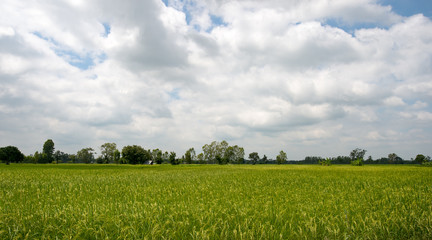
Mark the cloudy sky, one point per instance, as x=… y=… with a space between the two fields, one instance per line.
x=310 y=77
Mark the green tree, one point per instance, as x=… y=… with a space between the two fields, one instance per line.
x=85 y=155
x=190 y=156
x=56 y=156
x=157 y=156
x=222 y=153
x=233 y=154
x=264 y=159
x=357 y=154
x=117 y=156
x=60 y=156
x=254 y=157
x=229 y=155
x=239 y=154
x=72 y=158
x=165 y=156
x=135 y=154
x=210 y=152
x=37 y=157
x=29 y=159
x=11 y=154
x=48 y=150
x=281 y=158
x=420 y=158
x=100 y=160
x=325 y=162
x=172 y=158
x=108 y=152
x=220 y=160
x=200 y=158
x=393 y=158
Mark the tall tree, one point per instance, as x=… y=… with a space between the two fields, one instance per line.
x=165 y=156
x=108 y=152
x=37 y=157
x=157 y=156
x=48 y=150
x=190 y=156
x=229 y=155
x=264 y=159
x=172 y=158
x=210 y=152
x=200 y=158
x=254 y=157
x=117 y=156
x=357 y=154
x=85 y=155
x=61 y=156
x=220 y=160
x=135 y=154
x=281 y=158
x=420 y=158
x=394 y=158
x=222 y=153
x=369 y=160
x=239 y=154
x=73 y=158
x=11 y=154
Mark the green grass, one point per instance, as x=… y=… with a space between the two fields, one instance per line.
x=215 y=202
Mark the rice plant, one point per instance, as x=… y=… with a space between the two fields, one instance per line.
x=215 y=202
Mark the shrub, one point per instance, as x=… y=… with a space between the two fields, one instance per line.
x=358 y=162
x=326 y=162
x=427 y=164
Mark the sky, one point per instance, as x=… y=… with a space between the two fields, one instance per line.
x=311 y=78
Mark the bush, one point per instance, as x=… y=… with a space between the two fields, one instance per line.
x=427 y=164
x=358 y=162
x=326 y=162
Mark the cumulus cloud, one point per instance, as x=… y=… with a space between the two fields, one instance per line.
x=303 y=76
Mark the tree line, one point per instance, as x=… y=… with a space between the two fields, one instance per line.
x=357 y=155
x=213 y=153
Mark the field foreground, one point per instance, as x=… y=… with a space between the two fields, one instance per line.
x=215 y=202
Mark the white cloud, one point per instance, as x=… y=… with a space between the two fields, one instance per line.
x=394 y=101
x=6 y=31
x=419 y=105
x=346 y=12
x=275 y=75
x=374 y=135
x=422 y=116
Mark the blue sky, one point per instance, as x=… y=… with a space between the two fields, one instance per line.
x=312 y=78
x=410 y=7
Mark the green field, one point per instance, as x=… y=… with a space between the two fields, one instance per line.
x=215 y=202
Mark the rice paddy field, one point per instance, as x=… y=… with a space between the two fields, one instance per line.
x=215 y=202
